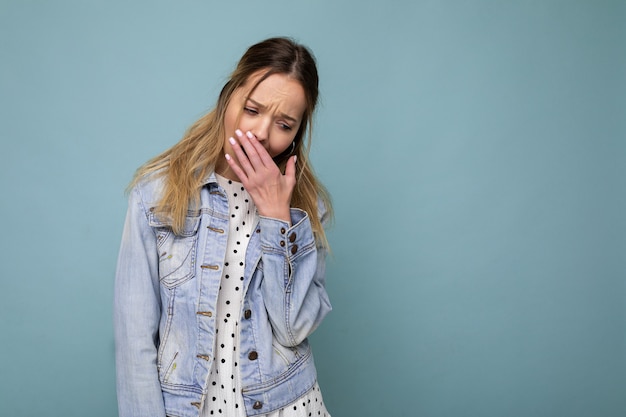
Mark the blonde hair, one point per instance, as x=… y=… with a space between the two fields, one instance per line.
x=186 y=164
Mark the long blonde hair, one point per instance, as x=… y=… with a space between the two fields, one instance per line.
x=186 y=164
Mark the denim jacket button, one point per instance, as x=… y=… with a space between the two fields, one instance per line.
x=282 y=243
x=257 y=405
x=247 y=314
x=282 y=230
x=294 y=249
x=253 y=355
x=292 y=237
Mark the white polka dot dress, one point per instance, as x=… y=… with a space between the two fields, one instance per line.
x=224 y=387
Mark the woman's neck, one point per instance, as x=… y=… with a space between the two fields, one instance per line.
x=222 y=168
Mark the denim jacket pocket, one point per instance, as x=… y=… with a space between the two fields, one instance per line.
x=177 y=255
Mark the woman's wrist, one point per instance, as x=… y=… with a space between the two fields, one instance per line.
x=277 y=213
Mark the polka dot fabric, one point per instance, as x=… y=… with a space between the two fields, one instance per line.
x=224 y=390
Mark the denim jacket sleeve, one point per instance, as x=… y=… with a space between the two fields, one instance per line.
x=137 y=311
x=293 y=287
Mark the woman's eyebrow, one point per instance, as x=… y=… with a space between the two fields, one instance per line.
x=283 y=115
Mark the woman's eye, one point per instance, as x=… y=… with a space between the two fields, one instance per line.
x=285 y=126
x=250 y=110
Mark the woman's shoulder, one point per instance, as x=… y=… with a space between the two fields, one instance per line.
x=324 y=210
x=148 y=189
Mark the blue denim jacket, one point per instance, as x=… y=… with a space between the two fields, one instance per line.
x=165 y=299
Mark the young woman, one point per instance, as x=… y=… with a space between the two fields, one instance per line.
x=220 y=278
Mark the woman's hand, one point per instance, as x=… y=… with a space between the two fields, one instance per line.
x=269 y=188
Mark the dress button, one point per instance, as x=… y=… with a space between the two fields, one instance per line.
x=247 y=314
x=253 y=355
x=292 y=237
x=294 y=249
x=282 y=230
x=257 y=405
x=258 y=230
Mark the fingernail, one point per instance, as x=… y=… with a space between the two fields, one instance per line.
x=227 y=157
x=232 y=141
x=238 y=132
x=295 y=159
x=250 y=135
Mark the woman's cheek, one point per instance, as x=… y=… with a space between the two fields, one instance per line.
x=282 y=148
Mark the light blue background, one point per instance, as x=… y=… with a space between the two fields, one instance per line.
x=475 y=151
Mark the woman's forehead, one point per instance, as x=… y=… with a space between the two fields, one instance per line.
x=275 y=90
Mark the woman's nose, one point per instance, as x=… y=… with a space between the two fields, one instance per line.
x=261 y=129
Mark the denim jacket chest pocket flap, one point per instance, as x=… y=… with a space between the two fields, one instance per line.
x=177 y=252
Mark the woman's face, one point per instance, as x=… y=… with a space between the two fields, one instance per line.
x=272 y=112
